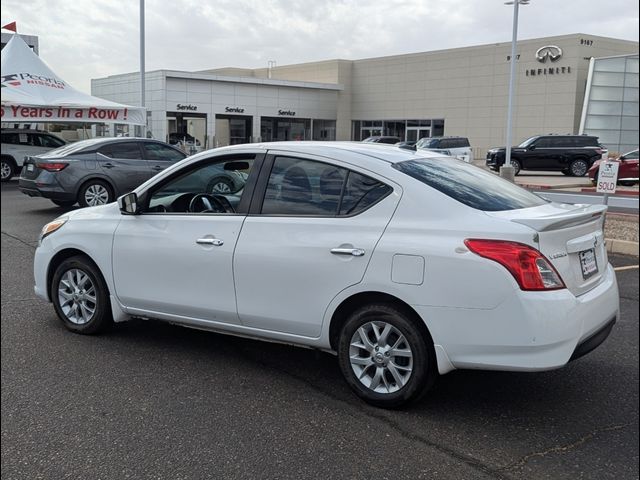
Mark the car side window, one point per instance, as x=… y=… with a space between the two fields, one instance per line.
x=49 y=142
x=157 y=151
x=306 y=187
x=361 y=192
x=209 y=187
x=303 y=187
x=129 y=150
x=544 y=142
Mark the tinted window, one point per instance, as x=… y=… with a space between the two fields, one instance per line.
x=586 y=141
x=49 y=141
x=10 y=138
x=157 y=151
x=303 y=187
x=446 y=143
x=469 y=185
x=129 y=150
x=361 y=192
x=544 y=142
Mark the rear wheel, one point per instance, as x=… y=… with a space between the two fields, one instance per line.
x=627 y=183
x=80 y=296
x=384 y=356
x=7 y=169
x=95 y=192
x=578 y=168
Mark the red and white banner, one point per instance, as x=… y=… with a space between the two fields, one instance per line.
x=32 y=92
x=32 y=113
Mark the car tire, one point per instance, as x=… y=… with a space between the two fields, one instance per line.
x=627 y=183
x=7 y=169
x=367 y=343
x=517 y=166
x=64 y=203
x=221 y=185
x=579 y=168
x=95 y=192
x=80 y=296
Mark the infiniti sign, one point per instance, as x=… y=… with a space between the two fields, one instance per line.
x=551 y=52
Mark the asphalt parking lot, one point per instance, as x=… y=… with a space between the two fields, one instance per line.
x=151 y=400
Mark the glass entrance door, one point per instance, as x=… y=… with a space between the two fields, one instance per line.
x=416 y=133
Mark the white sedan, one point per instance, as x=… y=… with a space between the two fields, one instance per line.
x=407 y=264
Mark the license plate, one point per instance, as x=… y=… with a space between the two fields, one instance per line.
x=30 y=167
x=588 y=263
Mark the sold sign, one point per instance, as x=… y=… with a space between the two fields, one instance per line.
x=607 y=177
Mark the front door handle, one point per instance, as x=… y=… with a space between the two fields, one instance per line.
x=216 y=242
x=108 y=165
x=356 y=252
x=157 y=168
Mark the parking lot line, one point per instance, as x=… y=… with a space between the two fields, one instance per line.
x=627 y=267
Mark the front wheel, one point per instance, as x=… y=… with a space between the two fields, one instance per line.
x=7 y=169
x=80 y=296
x=517 y=166
x=384 y=356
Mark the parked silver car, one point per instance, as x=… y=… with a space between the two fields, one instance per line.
x=18 y=143
x=96 y=171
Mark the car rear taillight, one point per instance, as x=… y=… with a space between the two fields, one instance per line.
x=528 y=266
x=52 y=167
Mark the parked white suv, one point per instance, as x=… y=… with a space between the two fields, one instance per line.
x=458 y=147
x=18 y=143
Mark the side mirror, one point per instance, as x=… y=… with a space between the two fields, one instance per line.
x=128 y=204
x=532 y=147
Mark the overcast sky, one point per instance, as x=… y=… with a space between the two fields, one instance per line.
x=84 y=39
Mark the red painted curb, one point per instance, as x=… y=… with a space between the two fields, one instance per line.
x=619 y=192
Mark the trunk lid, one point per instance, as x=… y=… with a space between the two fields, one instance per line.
x=571 y=237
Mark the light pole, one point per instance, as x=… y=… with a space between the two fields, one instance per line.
x=507 y=170
x=143 y=129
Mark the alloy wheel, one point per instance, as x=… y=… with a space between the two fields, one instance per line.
x=381 y=357
x=77 y=296
x=5 y=171
x=96 y=195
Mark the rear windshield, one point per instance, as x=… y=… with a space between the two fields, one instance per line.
x=470 y=185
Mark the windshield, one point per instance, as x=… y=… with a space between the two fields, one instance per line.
x=469 y=184
x=527 y=142
x=427 y=143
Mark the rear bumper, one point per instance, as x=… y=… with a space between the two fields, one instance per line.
x=53 y=192
x=531 y=331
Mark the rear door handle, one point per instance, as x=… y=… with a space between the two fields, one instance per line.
x=108 y=165
x=216 y=242
x=356 y=252
x=157 y=168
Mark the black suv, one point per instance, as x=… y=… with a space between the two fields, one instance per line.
x=571 y=154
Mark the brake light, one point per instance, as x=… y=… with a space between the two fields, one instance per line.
x=52 y=167
x=528 y=266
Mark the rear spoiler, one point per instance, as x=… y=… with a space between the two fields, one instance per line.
x=563 y=220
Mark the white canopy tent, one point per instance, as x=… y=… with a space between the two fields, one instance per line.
x=32 y=92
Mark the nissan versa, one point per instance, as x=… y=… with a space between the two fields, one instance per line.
x=406 y=264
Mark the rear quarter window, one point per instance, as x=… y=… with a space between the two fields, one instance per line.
x=469 y=185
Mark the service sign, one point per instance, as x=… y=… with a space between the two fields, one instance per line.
x=607 y=177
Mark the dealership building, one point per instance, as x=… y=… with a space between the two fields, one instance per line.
x=565 y=84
